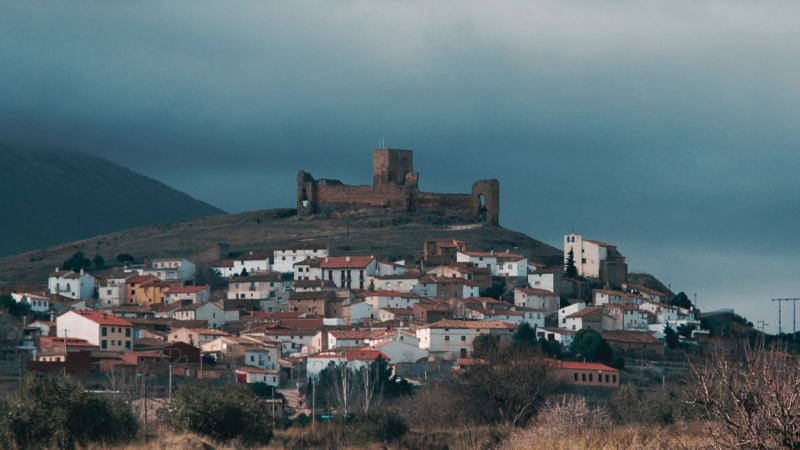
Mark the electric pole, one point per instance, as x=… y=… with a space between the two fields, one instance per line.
x=763 y=325
x=794 y=313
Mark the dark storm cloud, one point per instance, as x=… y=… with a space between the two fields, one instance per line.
x=665 y=127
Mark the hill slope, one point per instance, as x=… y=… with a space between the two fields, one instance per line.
x=50 y=197
x=389 y=235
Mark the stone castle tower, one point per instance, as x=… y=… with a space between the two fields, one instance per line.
x=395 y=188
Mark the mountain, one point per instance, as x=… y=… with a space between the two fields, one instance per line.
x=48 y=197
x=397 y=235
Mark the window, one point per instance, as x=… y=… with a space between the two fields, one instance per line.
x=463 y=338
x=447 y=338
x=590 y=377
x=128 y=345
x=583 y=377
x=613 y=378
x=575 y=376
x=103 y=344
x=104 y=331
x=606 y=378
x=127 y=332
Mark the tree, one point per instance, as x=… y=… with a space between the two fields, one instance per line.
x=685 y=330
x=59 y=413
x=16 y=309
x=750 y=392
x=496 y=290
x=244 y=272
x=232 y=413
x=524 y=336
x=510 y=385
x=670 y=336
x=98 y=261
x=681 y=301
x=570 y=265
x=77 y=262
x=483 y=346
x=125 y=258
x=590 y=345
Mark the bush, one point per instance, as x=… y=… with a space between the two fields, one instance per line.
x=61 y=414
x=384 y=426
x=660 y=407
x=233 y=413
x=125 y=258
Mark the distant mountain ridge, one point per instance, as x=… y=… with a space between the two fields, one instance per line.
x=50 y=197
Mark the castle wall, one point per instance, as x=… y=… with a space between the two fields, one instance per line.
x=392 y=166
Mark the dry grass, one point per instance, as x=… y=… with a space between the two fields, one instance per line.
x=681 y=436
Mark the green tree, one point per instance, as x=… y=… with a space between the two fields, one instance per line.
x=570 y=265
x=524 y=336
x=17 y=310
x=670 y=336
x=496 y=290
x=244 y=272
x=98 y=261
x=59 y=413
x=685 y=330
x=77 y=262
x=125 y=258
x=549 y=348
x=590 y=345
x=232 y=413
x=681 y=300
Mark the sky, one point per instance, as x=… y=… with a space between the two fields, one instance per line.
x=668 y=128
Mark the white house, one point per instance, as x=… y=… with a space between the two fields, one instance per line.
x=627 y=317
x=285 y=258
x=560 y=335
x=664 y=313
x=446 y=287
x=547 y=278
x=251 y=374
x=450 y=339
x=354 y=312
x=651 y=294
x=537 y=299
x=347 y=338
x=260 y=286
x=111 y=290
x=195 y=294
x=67 y=283
x=96 y=327
x=511 y=265
x=348 y=271
x=590 y=318
x=566 y=311
x=248 y=262
x=384 y=268
x=534 y=317
x=390 y=299
x=399 y=283
x=169 y=269
x=209 y=311
x=38 y=303
x=479 y=259
x=401 y=351
x=353 y=359
x=602 y=296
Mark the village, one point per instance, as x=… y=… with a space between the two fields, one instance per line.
x=282 y=317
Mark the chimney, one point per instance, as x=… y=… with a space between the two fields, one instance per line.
x=146 y=263
x=347 y=258
x=81 y=271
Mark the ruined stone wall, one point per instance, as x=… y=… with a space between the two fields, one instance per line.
x=392 y=166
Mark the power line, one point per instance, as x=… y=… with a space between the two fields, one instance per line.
x=794 y=313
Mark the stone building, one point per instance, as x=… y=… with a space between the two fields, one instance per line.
x=396 y=188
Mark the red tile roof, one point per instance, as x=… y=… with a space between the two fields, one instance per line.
x=346 y=262
x=102 y=318
x=141 y=279
x=187 y=289
x=539 y=292
x=573 y=365
x=253 y=369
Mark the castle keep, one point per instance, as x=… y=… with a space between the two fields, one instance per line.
x=395 y=188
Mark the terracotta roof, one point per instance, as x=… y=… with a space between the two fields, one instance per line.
x=141 y=279
x=609 y=292
x=253 y=369
x=352 y=355
x=476 y=324
x=495 y=312
x=455 y=280
x=345 y=262
x=224 y=263
x=539 y=292
x=573 y=365
x=391 y=294
x=301 y=284
x=409 y=275
x=430 y=306
x=634 y=337
x=101 y=318
x=585 y=312
x=195 y=306
x=65 y=274
x=350 y=334
x=187 y=289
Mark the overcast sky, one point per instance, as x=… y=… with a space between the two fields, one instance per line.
x=667 y=128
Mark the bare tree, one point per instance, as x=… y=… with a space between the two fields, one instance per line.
x=511 y=384
x=752 y=394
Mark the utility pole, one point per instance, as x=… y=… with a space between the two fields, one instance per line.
x=313 y=406
x=763 y=325
x=794 y=313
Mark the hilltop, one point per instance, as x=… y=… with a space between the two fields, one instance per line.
x=384 y=235
x=49 y=197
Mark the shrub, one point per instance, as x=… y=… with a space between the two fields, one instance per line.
x=384 y=426
x=61 y=414
x=233 y=413
x=125 y=258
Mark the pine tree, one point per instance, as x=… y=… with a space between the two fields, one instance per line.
x=671 y=336
x=570 y=266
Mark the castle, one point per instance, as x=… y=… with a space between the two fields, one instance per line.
x=396 y=188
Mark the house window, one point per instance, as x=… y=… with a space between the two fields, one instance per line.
x=128 y=345
x=127 y=332
x=583 y=377
x=104 y=331
x=103 y=344
x=613 y=378
x=463 y=338
x=590 y=377
x=606 y=378
x=575 y=376
x=447 y=338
